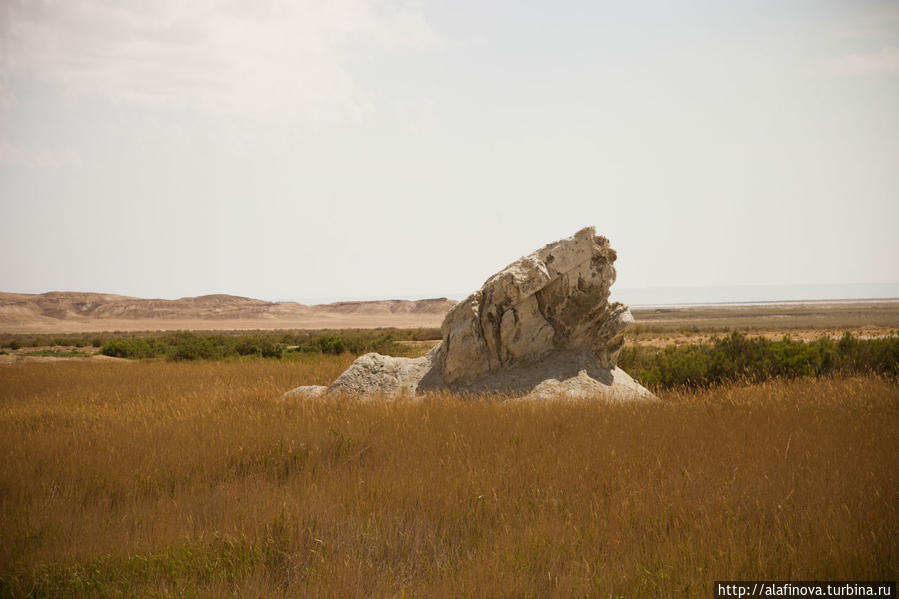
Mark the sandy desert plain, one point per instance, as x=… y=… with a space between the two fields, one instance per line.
x=164 y=477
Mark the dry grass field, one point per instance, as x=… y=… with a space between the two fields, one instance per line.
x=193 y=479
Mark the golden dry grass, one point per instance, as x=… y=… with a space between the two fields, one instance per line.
x=193 y=479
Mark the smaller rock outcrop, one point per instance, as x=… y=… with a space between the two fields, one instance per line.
x=542 y=326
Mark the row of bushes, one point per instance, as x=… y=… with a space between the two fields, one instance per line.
x=286 y=338
x=18 y=342
x=738 y=357
x=734 y=357
x=193 y=346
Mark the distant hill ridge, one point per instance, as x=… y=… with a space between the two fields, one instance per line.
x=45 y=308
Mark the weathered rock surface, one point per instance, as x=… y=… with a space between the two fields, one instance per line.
x=388 y=375
x=542 y=326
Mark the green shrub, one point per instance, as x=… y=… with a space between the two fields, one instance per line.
x=272 y=350
x=248 y=347
x=133 y=348
x=330 y=344
x=738 y=357
x=189 y=346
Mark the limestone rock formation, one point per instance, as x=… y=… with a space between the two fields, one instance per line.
x=542 y=326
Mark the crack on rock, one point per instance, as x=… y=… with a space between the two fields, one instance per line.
x=548 y=310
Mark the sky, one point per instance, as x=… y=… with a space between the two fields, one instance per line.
x=359 y=149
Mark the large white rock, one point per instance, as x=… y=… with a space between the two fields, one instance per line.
x=388 y=375
x=553 y=299
x=542 y=326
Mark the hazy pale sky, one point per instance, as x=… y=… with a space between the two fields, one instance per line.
x=365 y=149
